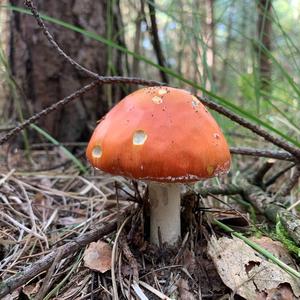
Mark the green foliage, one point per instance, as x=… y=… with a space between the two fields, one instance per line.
x=283 y=236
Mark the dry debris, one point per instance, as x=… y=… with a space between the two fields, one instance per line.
x=247 y=273
x=97 y=256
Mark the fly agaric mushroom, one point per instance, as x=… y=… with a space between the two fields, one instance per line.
x=165 y=136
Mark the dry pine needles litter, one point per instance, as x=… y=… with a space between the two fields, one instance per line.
x=48 y=218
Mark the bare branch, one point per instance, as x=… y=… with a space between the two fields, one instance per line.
x=282 y=155
x=72 y=247
x=47 y=110
x=224 y=190
x=258 y=177
x=286 y=189
x=253 y=127
x=273 y=178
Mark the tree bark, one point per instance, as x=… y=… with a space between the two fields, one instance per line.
x=44 y=77
x=264 y=30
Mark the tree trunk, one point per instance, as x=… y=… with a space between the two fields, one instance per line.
x=264 y=29
x=44 y=77
x=207 y=53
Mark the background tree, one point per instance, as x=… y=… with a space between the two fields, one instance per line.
x=264 y=31
x=43 y=78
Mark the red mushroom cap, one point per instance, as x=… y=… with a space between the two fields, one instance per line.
x=161 y=134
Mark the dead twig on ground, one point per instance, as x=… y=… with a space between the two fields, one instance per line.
x=267 y=205
x=258 y=177
x=286 y=189
x=273 y=178
x=276 y=154
x=72 y=247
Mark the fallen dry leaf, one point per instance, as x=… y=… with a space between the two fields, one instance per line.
x=276 y=248
x=189 y=260
x=98 y=256
x=184 y=290
x=245 y=272
x=283 y=292
x=31 y=289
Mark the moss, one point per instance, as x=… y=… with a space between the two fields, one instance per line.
x=283 y=236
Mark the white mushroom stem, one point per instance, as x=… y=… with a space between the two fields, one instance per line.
x=164 y=212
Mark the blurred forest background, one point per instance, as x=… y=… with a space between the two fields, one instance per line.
x=243 y=55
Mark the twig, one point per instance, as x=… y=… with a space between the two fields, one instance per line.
x=283 y=155
x=258 y=178
x=42 y=264
x=102 y=79
x=131 y=259
x=47 y=280
x=272 y=208
x=265 y=204
x=229 y=189
x=286 y=189
x=47 y=110
x=273 y=179
x=253 y=127
x=113 y=260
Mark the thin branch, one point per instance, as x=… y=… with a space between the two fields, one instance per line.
x=226 y=190
x=253 y=127
x=282 y=155
x=103 y=79
x=273 y=178
x=258 y=178
x=47 y=280
x=264 y=203
x=47 y=110
x=286 y=189
x=72 y=247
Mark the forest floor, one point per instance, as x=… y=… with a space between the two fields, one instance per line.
x=65 y=235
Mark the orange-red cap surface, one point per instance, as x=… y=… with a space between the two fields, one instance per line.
x=161 y=134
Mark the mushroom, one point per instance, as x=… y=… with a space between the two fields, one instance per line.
x=164 y=136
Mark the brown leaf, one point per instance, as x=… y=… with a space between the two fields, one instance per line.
x=98 y=256
x=276 y=248
x=189 y=260
x=184 y=290
x=245 y=271
x=31 y=289
x=283 y=292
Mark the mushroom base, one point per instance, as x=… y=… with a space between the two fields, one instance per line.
x=164 y=212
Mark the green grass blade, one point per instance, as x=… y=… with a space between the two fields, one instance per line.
x=76 y=161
